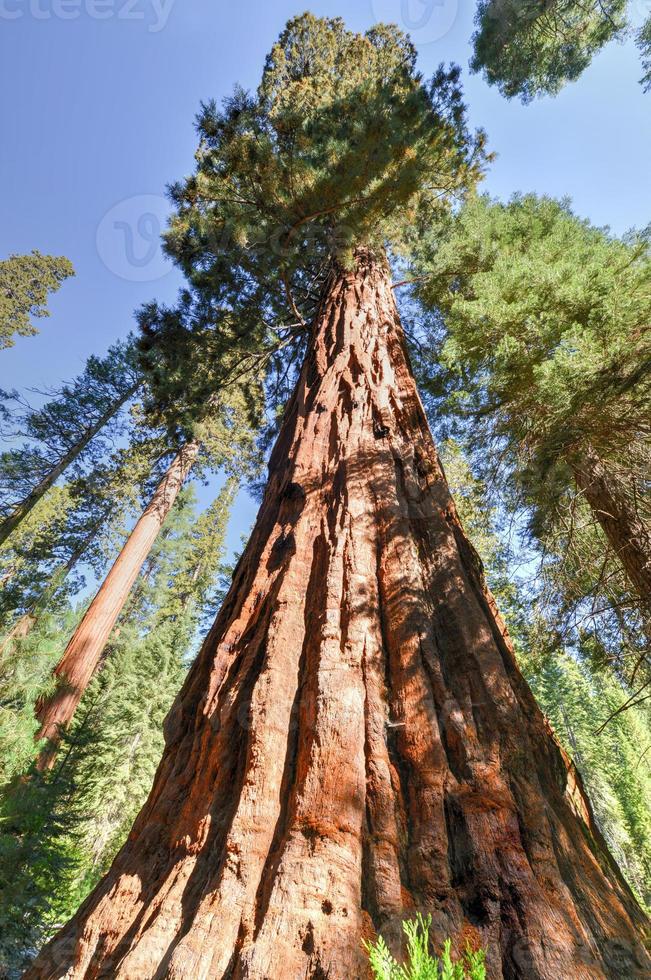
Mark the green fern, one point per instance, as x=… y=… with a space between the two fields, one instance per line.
x=421 y=965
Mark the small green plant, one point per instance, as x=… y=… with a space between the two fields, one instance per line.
x=421 y=965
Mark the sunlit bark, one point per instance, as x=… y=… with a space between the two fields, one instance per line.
x=82 y=654
x=355 y=741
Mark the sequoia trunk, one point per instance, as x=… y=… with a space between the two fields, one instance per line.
x=82 y=655
x=21 y=510
x=625 y=530
x=355 y=742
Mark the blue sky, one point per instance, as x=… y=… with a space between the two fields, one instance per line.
x=96 y=117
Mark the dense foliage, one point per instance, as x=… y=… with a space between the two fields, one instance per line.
x=537 y=351
x=528 y=48
x=316 y=164
x=60 y=830
x=25 y=281
x=530 y=334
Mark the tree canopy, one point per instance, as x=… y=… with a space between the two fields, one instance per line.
x=540 y=354
x=528 y=48
x=25 y=282
x=529 y=330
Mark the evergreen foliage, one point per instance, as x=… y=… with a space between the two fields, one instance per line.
x=421 y=965
x=528 y=48
x=614 y=763
x=59 y=831
x=25 y=281
x=68 y=434
x=84 y=521
x=317 y=163
x=644 y=43
x=537 y=350
x=321 y=160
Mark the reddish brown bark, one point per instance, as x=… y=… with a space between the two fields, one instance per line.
x=620 y=520
x=82 y=654
x=355 y=741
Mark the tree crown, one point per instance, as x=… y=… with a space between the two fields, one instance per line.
x=25 y=281
x=528 y=48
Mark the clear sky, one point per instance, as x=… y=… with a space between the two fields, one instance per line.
x=96 y=117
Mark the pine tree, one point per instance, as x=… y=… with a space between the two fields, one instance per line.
x=25 y=281
x=82 y=520
x=644 y=44
x=61 y=829
x=28 y=556
x=63 y=432
x=541 y=352
x=354 y=738
x=529 y=49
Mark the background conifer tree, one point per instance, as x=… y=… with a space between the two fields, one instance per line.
x=528 y=48
x=63 y=433
x=60 y=830
x=355 y=735
x=539 y=353
x=25 y=281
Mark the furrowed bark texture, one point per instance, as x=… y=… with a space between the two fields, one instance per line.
x=82 y=654
x=25 y=507
x=355 y=742
x=625 y=529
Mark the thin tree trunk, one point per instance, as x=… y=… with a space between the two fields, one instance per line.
x=21 y=628
x=26 y=623
x=355 y=741
x=82 y=655
x=20 y=512
x=625 y=530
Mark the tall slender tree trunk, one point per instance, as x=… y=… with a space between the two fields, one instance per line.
x=82 y=655
x=355 y=741
x=625 y=530
x=26 y=623
x=20 y=512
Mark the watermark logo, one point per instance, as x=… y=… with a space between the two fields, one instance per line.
x=153 y=13
x=424 y=20
x=129 y=238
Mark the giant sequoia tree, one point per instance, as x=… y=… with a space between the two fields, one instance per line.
x=355 y=741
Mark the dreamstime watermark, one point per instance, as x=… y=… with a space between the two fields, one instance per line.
x=155 y=13
x=129 y=238
x=424 y=20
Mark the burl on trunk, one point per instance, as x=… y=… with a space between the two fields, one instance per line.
x=355 y=741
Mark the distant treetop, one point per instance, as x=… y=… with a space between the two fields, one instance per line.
x=25 y=281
